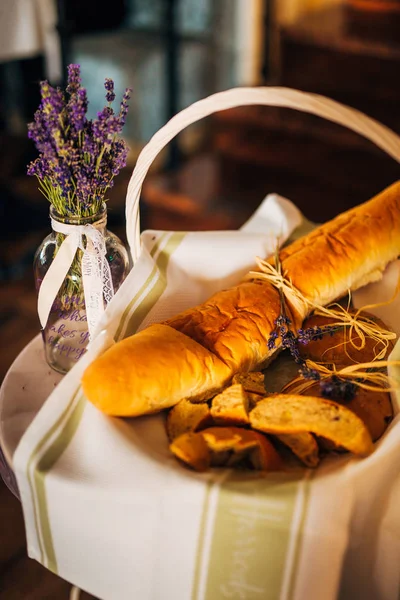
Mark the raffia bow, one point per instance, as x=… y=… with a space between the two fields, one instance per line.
x=368 y=375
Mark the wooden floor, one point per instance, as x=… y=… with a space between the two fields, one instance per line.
x=20 y=577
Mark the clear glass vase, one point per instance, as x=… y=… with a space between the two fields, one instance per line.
x=66 y=334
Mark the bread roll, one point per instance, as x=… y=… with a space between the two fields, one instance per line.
x=138 y=375
x=196 y=353
x=337 y=348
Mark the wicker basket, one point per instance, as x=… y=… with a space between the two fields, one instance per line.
x=329 y=109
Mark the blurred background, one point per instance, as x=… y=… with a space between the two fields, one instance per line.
x=213 y=176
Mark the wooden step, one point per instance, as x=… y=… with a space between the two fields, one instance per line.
x=321 y=54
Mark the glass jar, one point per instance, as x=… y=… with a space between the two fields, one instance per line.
x=66 y=334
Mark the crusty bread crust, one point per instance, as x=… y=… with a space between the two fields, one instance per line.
x=196 y=353
x=234 y=324
x=349 y=251
x=153 y=370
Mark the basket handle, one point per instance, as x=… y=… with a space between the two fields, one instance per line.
x=329 y=109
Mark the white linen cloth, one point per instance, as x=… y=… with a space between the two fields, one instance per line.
x=109 y=509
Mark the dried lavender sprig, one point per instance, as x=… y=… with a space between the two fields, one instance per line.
x=76 y=109
x=311 y=334
x=74 y=78
x=109 y=85
x=339 y=389
x=272 y=339
x=333 y=387
x=309 y=373
x=123 y=111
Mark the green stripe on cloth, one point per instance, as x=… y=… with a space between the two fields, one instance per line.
x=251 y=536
x=148 y=281
x=155 y=293
x=46 y=462
x=67 y=424
x=200 y=544
x=37 y=510
x=126 y=312
x=299 y=533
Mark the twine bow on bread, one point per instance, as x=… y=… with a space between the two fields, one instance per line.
x=274 y=275
x=96 y=275
x=360 y=328
x=369 y=376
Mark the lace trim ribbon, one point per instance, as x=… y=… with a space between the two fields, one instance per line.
x=96 y=274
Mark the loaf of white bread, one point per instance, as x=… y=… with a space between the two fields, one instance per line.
x=196 y=353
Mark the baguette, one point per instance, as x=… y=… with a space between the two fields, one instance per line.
x=195 y=354
x=137 y=376
x=348 y=252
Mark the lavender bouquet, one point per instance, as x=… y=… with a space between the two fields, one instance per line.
x=79 y=158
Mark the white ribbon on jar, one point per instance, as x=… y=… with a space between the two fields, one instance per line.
x=96 y=274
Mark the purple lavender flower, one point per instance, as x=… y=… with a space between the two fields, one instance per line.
x=38 y=132
x=52 y=105
x=338 y=389
x=311 y=334
x=334 y=387
x=89 y=145
x=289 y=341
x=123 y=111
x=282 y=321
x=119 y=154
x=106 y=126
x=62 y=177
x=304 y=336
x=74 y=79
x=77 y=108
x=308 y=373
x=109 y=85
x=272 y=339
x=78 y=158
x=46 y=122
x=39 y=167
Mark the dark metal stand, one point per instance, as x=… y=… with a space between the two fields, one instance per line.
x=268 y=34
x=64 y=32
x=172 y=75
x=171 y=39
